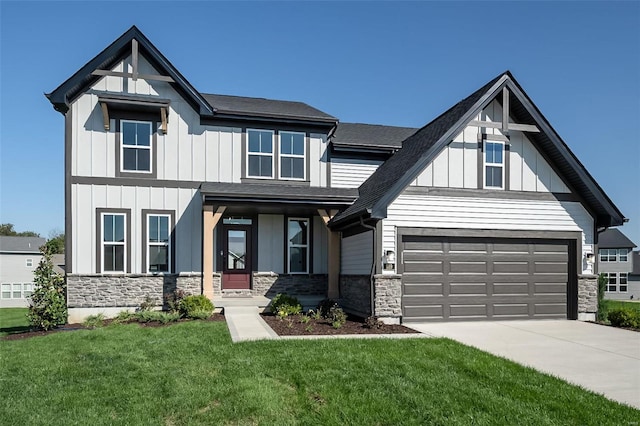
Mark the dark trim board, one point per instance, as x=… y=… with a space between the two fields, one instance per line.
x=491 y=193
x=134 y=181
x=68 y=181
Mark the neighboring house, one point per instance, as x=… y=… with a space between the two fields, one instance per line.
x=616 y=261
x=19 y=257
x=634 y=276
x=484 y=213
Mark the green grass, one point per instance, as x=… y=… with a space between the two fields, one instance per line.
x=191 y=373
x=13 y=320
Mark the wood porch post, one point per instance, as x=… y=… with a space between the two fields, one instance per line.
x=209 y=221
x=333 y=291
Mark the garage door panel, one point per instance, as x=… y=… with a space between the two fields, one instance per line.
x=483 y=278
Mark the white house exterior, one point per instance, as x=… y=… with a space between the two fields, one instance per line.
x=619 y=264
x=483 y=213
x=19 y=258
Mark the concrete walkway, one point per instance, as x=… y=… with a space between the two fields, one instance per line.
x=603 y=359
x=245 y=323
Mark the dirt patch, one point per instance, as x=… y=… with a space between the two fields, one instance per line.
x=297 y=326
x=73 y=327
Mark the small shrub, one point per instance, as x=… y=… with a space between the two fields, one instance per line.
x=337 y=317
x=47 y=304
x=373 y=323
x=147 y=305
x=315 y=314
x=325 y=307
x=308 y=328
x=284 y=310
x=283 y=299
x=123 y=317
x=94 y=321
x=623 y=317
x=173 y=300
x=196 y=307
x=304 y=319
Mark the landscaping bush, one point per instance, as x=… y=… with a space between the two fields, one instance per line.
x=94 y=321
x=173 y=300
x=283 y=299
x=196 y=307
x=147 y=305
x=325 y=306
x=284 y=310
x=48 y=306
x=159 y=316
x=373 y=323
x=124 y=317
x=337 y=317
x=622 y=317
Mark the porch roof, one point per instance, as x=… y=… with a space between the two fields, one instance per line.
x=276 y=193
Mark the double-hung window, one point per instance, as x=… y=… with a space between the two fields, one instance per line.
x=292 y=162
x=158 y=243
x=623 y=255
x=612 y=281
x=298 y=245
x=494 y=165
x=135 y=155
x=623 y=278
x=29 y=263
x=260 y=154
x=114 y=242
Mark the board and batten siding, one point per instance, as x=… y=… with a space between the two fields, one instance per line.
x=351 y=172
x=457 y=165
x=356 y=254
x=85 y=199
x=424 y=211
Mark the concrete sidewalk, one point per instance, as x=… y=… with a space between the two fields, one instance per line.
x=245 y=323
x=603 y=359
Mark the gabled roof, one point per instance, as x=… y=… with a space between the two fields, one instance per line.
x=613 y=238
x=359 y=135
x=261 y=107
x=68 y=91
x=21 y=244
x=392 y=177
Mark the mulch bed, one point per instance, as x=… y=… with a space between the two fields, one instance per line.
x=73 y=327
x=293 y=326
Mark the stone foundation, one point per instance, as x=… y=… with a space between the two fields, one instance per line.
x=270 y=284
x=101 y=291
x=587 y=297
x=355 y=294
x=388 y=297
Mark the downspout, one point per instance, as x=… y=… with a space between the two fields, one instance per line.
x=373 y=266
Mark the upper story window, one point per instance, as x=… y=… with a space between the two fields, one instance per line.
x=113 y=242
x=613 y=255
x=29 y=263
x=260 y=154
x=292 y=155
x=494 y=165
x=136 y=146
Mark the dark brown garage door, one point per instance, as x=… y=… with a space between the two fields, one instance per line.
x=479 y=278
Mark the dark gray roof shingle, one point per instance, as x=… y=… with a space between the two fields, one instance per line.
x=613 y=238
x=261 y=107
x=21 y=244
x=278 y=191
x=371 y=135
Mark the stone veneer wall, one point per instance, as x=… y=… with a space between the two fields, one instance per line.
x=270 y=284
x=100 y=291
x=587 y=296
x=388 y=297
x=355 y=293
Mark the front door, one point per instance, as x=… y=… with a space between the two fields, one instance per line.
x=236 y=257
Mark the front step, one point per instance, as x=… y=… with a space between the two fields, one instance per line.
x=236 y=293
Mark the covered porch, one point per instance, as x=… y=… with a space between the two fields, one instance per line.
x=263 y=239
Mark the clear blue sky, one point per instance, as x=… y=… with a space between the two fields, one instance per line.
x=387 y=63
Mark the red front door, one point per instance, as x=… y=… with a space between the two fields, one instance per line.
x=236 y=257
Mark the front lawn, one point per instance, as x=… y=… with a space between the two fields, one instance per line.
x=13 y=320
x=621 y=304
x=191 y=373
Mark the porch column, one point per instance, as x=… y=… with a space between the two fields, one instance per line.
x=333 y=291
x=209 y=221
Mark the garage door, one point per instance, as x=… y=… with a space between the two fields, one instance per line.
x=449 y=278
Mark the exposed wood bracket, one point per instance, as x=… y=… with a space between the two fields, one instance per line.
x=163 y=115
x=486 y=136
x=532 y=128
x=130 y=75
x=327 y=215
x=505 y=110
x=105 y=115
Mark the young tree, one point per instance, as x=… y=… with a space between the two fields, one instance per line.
x=48 y=307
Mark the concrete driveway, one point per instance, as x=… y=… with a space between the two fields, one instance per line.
x=603 y=359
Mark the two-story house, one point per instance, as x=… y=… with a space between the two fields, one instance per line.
x=483 y=213
x=616 y=262
x=19 y=258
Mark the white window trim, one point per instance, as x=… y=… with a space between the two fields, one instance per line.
x=157 y=244
x=290 y=245
x=28 y=263
x=609 y=275
x=485 y=164
x=150 y=147
x=619 y=255
x=303 y=156
x=112 y=243
x=274 y=149
x=626 y=284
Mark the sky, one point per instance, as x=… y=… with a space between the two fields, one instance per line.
x=393 y=63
